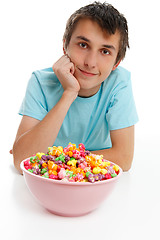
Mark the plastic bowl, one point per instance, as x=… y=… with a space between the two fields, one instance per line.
x=68 y=199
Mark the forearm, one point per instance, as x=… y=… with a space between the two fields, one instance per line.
x=44 y=133
x=116 y=156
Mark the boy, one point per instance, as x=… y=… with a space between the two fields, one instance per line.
x=85 y=97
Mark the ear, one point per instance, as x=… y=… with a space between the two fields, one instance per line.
x=116 y=65
x=64 y=49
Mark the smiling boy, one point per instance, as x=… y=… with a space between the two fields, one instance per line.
x=85 y=97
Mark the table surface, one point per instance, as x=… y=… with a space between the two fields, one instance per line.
x=132 y=210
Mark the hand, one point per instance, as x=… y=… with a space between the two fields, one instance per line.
x=64 y=70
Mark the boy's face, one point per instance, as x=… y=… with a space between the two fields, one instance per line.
x=93 y=52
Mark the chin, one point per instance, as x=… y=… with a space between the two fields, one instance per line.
x=84 y=84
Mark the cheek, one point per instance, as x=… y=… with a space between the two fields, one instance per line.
x=105 y=72
x=73 y=56
x=76 y=60
x=76 y=56
x=105 y=68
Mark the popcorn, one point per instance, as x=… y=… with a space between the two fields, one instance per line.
x=71 y=164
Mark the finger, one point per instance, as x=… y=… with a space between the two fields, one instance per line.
x=72 y=69
x=11 y=152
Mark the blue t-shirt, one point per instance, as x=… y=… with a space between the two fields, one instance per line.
x=88 y=120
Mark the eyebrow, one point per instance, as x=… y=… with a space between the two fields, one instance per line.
x=104 y=45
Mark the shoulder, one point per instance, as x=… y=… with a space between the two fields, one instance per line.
x=120 y=74
x=118 y=79
x=46 y=77
x=121 y=71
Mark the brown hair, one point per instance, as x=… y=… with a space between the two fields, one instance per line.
x=108 y=18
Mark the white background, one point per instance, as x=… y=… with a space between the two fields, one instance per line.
x=31 y=38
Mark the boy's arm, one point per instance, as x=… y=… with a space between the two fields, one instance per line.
x=34 y=135
x=122 y=149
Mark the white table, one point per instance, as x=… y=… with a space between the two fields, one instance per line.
x=132 y=211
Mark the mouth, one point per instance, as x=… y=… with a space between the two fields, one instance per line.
x=88 y=74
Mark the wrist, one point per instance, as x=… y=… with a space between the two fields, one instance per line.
x=72 y=95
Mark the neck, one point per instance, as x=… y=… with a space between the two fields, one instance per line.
x=86 y=93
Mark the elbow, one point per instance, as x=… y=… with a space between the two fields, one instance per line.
x=125 y=163
x=16 y=159
x=16 y=163
x=126 y=168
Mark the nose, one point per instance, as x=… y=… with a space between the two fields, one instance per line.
x=90 y=60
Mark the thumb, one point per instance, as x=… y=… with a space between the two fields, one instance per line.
x=72 y=69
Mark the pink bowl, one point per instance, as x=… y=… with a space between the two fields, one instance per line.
x=68 y=198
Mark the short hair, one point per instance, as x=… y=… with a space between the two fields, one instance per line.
x=108 y=18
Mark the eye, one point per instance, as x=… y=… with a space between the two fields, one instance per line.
x=105 y=52
x=83 y=45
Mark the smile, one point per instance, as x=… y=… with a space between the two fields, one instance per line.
x=88 y=74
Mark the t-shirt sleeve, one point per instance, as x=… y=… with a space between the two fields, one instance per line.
x=34 y=103
x=122 y=111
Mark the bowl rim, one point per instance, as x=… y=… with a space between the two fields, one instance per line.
x=70 y=183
